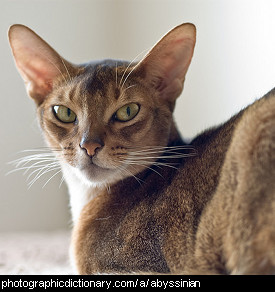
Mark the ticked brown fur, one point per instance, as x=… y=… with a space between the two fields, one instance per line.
x=213 y=213
x=183 y=226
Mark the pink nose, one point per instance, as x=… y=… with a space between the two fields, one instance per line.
x=90 y=147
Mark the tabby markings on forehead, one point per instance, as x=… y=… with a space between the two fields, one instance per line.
x=97 y=81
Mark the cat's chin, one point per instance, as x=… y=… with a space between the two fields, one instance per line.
x=94 y=175
x=97 y=174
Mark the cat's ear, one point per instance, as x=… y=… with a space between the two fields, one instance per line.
x=165 y=66
x=38 y=64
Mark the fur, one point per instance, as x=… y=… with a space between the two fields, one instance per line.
x=144 y=201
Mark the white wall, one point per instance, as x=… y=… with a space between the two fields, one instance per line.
x=234 y=63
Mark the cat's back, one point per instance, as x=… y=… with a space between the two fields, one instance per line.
x=181 y=204
x=198 y=178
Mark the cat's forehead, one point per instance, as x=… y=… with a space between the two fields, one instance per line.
x=97 y=78
x=98 y=86
x=102 y=80
x=98 y=75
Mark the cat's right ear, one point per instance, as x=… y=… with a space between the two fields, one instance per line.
x=38 y=63
x=166 y=65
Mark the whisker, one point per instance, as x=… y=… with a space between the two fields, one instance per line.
x=153 y=157
x=24 y=161
x=165 y=164
x=124 y=90
x=41 y=174
x=41 y=149
x=27 y=168
x=121 y=80
x=41 y=168
x=22 y=164
x=145 y=163
x=128 y=172
x=37 y=164
x=52 y=177
x=130 y=64
x=162 y=148
x=129 y=74
x=175 y=156
x=61 y=181
x=148 y=167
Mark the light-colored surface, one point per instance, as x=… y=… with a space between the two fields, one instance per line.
x=234 y=63
x=36 y=253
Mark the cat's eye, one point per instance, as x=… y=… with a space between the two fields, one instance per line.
x=64 y=114
x=127 y=112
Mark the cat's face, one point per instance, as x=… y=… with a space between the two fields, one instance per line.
x=104 y=120
x=98 y=124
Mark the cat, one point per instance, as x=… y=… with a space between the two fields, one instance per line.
x=142 y=200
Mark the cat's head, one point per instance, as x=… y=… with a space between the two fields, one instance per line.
x=102 y=118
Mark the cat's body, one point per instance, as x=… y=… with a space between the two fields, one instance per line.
x=154 y=224
x=142 y=200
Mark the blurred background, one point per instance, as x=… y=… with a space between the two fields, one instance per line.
x=233 y=64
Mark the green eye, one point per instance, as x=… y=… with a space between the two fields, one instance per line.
x=127 y=112
x=64 y=114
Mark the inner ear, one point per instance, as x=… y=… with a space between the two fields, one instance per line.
x=38 y=63
x=166 y=65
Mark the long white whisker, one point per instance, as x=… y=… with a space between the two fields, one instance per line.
x=27 y=168
x=128 y=172
x=140 y=157
x=121 y=80
x=22 y=163
x=148 y=167
x=145 y=163
x=32 y=157
x=162 y=148
x=42 y=167
x=37 y=164
x=40 y=149
x=42 y=173
x=165 y=164
x=52 y=177
x=61 y=181
x=124 y=90
x=129 y=75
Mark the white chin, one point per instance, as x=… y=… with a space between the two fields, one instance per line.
x=95 y=175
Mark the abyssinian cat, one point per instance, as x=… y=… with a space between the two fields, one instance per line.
x=142 y=200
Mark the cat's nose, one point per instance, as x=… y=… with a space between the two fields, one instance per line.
x=91 y=147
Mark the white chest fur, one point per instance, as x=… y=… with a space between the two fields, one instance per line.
x=80 y=191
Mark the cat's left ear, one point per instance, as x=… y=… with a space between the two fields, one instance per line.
x=165 y=66
x=38 y=63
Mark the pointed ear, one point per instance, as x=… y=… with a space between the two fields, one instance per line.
x=166 y=64
x=38 y=64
